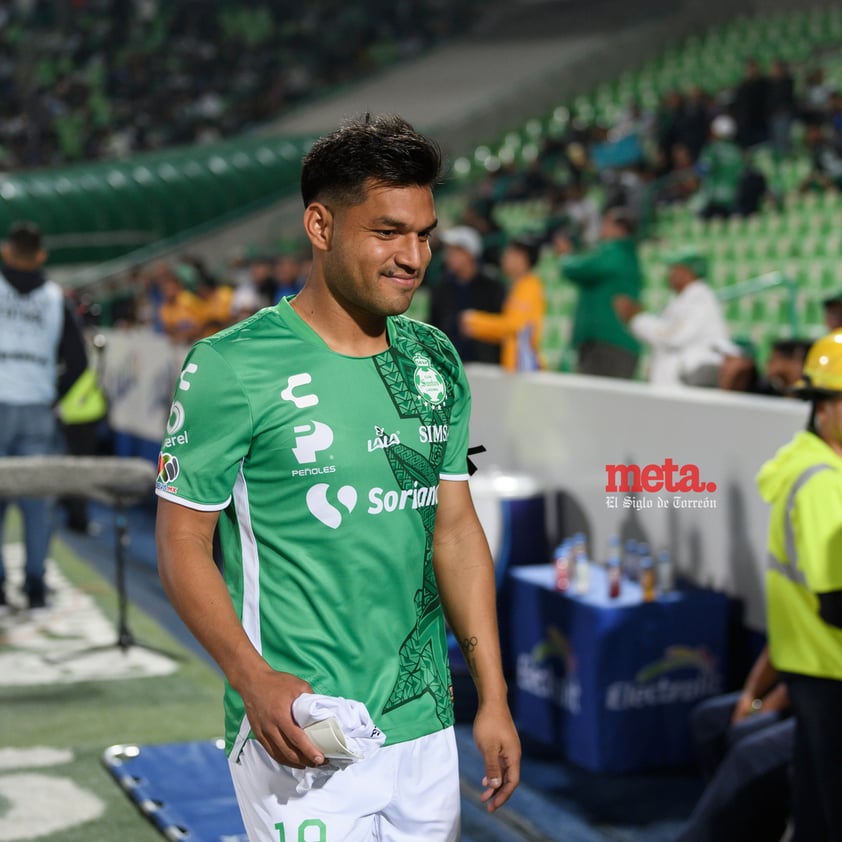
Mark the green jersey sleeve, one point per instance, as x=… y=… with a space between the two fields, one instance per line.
x=208 y=433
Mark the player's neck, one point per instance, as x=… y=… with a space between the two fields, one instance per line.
x=345 y=331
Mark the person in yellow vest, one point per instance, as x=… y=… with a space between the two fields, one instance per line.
x=80 y=412
x=803 y=484
x=519 y=326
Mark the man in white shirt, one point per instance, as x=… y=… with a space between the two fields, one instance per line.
x=689 y=339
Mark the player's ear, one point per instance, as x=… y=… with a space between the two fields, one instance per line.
x=318 y=224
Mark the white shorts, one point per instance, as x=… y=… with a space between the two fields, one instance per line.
x=403 y=792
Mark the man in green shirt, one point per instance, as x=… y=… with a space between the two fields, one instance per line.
x=604 y=344
x=327 y=437
x=721 y=165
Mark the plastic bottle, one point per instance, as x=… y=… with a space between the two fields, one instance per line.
x=631 y=562
x=614 y=549
x=666 y=574
x=582 y=570
x=614 y=577
x=647 y=578
x=561 y=562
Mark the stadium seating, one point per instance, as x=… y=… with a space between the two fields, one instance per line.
x=801 y=240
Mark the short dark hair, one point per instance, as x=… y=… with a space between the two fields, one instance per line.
x=25 y=239
x=792 y=348
x=623 y=217
x=530 y=246
x=366 y=151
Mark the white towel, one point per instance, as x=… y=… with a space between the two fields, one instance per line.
x=341 y=728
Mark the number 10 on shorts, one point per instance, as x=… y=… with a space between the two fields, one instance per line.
x=318 y=835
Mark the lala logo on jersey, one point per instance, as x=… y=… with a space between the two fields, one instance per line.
x=382 y=439
x=323 y=510
x=429 y=383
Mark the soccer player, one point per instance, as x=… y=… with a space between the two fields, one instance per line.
x=327 y=436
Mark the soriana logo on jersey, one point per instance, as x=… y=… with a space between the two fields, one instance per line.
x=429 y=383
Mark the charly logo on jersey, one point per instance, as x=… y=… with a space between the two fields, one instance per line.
x=429 y=383
x=174 y=426
x=382 y=439
x=296 y=382
x=322 y=509
x=183 y=382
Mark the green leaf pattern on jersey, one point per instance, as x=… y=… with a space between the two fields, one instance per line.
x=419 y=671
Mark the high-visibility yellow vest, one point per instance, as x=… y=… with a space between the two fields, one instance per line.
x=803 y=482
x=84 y=401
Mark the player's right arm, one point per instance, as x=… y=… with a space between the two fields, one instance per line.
x=196 y=589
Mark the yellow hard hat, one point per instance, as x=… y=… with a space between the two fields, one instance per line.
x=822 y=373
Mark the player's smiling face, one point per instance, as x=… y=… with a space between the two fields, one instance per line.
x=380 y=249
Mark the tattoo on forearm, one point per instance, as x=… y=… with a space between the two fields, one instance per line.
x=468 y=646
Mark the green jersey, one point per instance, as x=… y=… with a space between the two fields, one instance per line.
x=325 y=469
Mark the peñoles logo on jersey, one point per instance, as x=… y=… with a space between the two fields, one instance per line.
x=429 y=383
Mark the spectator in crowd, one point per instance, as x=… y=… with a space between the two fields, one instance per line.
x=519 y=326
x=182 y=313
x=817 y=92
x=581 y=213
x=683 y=182
x=604 y=345
x=287 y=274
x=752 y=188
x=217 y=299
x=832 y=306
x=693 y=123
x=721 y=166
x=782 y=106
x=745 y=745
x=42 y=354
x=367 y=636
x=690 y=337
x=802 y=483
x=750 y=106
x=465 y=285
x=825 y=159
x=783 y=370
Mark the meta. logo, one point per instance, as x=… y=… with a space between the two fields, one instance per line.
x=656 y=478
x=296 y=381
x=310 y=439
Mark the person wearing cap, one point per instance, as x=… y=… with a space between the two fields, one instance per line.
x=802 y=483
x=689 y=339
x=721 y=165
x=465 y=286
x=182 y=312
x=519 y=326
x=604 y=345
x=42 y=354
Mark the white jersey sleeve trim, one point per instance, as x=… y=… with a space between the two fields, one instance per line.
x=454 y=477
x=190 y=504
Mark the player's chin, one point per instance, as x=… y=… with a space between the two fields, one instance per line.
x=397 y=303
